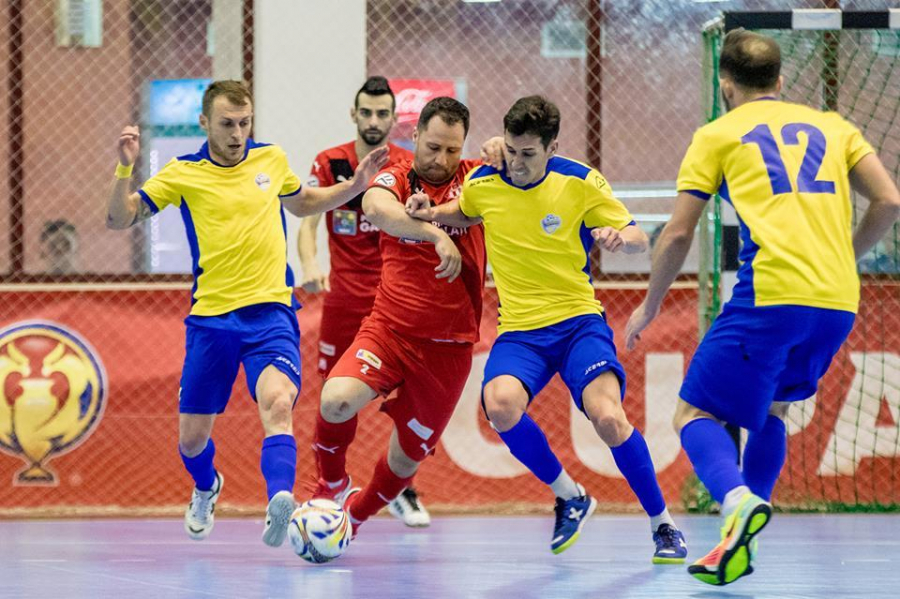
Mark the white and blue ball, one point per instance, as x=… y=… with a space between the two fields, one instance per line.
x=319 y=531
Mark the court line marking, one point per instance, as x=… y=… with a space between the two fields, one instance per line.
x=142 y=582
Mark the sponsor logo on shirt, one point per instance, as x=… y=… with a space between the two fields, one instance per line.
x=263 y=181
x=369 y=358
x=550 y=223
x=386 y=179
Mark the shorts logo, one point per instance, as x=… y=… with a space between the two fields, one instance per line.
x=368 y=357
x=422 y=431
x=550 y=223
x=594 y=367
x=289 y=364
x=386 y=179
x=263 y=181
x=52 y=396
x=327 y=349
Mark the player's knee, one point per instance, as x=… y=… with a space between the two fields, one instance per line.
x=401 y=464
x=192 y=443
x=612 y=428
x=504 y=402
x=276 y=406
x=334 y=404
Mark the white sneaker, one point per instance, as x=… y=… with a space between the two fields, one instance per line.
x=278 y=517
x=200 y=514
x=407 y=508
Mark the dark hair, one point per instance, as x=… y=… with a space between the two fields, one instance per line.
x=751 y=60
x=450 y=110
x=54 y=226
x=376 y=86
x=237 y=93
x=534 y=115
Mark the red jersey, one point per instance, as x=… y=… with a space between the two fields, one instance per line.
x=410 y=300
x=352 y=240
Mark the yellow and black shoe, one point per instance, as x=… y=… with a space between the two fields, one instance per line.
x=731 y=558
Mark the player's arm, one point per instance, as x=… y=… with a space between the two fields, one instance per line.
x=668 y=258
x=314 y=200
x=631 y=239
x=313 y=280
x=385 y=212
x=124 y=208
x=870 y=179
x=450 y=214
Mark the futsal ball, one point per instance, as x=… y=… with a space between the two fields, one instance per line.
x=319 y=531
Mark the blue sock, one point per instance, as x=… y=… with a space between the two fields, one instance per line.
x=714 y=456
x=764 y=457
x=200 y=467
x=528 y=443
x=634 y=461
x=278 y=463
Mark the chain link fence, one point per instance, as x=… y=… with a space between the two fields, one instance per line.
x=626 y=75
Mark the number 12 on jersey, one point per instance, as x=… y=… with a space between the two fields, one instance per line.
x=762 y=136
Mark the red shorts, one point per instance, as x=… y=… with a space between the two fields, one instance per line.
x=429 y=377
x=336 y=332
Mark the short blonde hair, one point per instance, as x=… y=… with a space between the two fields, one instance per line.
x=236 y=92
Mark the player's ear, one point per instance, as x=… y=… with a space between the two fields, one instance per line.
x=553 y=147
x=204 y=122
x=779 y=83
x=415 y=135
x=353 y=114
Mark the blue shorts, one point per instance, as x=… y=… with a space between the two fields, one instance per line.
x=579 y=349
x=255 y=336
x=753 y=356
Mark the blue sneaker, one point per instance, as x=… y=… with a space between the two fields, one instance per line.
x=571 y=514
x=670 y=545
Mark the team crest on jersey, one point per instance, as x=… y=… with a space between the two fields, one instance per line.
x=386 y=179
x=550 y=223
x=368 y=357
x=263 y=181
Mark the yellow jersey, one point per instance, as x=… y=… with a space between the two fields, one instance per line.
x=538 y=239
x=235 y=225
x=784 y=167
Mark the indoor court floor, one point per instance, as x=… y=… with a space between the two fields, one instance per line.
x=832 y=556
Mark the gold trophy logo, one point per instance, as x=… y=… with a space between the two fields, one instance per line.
x=52 y=396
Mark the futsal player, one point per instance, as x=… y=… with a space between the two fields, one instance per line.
x=788 y=170
x=353 y=245
x=541 y=217
x=232 y=194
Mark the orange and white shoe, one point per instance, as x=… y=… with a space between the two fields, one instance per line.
x=731 y=558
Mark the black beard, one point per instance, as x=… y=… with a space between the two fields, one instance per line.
x=373 y=138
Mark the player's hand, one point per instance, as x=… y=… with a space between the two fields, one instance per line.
x=609 y=238
x=314 y=280
x=129 y=145
x=419 y=206
x=492 y=152
x=451 y=260
x=640 y=319
x=369 y=166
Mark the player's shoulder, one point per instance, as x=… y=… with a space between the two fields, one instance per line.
x=338 y=152
x=570 y=168
x=480 y=172
x=397 y=154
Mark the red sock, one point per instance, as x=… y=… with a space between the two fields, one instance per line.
x=383 y=488
x=330 y=445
